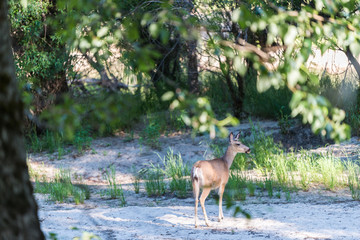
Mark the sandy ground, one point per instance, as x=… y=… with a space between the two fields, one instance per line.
x=317 y=214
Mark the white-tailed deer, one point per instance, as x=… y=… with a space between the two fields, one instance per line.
x=213 y=174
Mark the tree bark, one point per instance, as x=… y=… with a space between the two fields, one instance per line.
x=353 y=61
x=192 y=68
x=18 y=209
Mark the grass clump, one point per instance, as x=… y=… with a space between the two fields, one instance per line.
x=82 y=140
x=331 y=170
x=61 y=187
x=154 y=182
x=150 y=135
x=353 y=179
x=237 y=185
x=52 y=141
x=178 y=171
x=48 y=141
x=114 y=190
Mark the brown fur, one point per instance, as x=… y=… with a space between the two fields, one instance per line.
x=213 y=174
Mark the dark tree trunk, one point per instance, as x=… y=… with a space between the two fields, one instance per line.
x=18 y=209
x=237 y=102
x=241 y=90
x=192 y=64
x=192 y=67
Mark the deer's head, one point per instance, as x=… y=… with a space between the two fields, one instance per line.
x=236 y=145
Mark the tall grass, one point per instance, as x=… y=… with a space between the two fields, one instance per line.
x=114 y=190
x=178 y=171
x=331 y=170
x=61 y=188
x=353 y=179
x=52 y=141
x=237 y=185
x=285 y=171
x=154 y=182
x=305 y=167
x=150 y=135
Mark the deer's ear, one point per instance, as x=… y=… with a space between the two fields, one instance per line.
x=237 y=136
x=231 y=136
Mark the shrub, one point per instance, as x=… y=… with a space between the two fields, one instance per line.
x=154 y=182
x=178 y=172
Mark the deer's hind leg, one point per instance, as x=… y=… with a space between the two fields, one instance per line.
x=204 y=195
x=196 y=190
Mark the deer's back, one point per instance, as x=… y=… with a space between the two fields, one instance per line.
x=213 y=172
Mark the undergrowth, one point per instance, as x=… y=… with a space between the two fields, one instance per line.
x=60 y=188
x=114 y=190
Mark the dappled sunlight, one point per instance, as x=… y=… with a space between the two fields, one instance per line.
x=332 y=61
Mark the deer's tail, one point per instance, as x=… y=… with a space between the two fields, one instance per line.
x=196 y=178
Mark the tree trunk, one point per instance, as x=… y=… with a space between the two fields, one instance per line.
x=18 y=209
x=192 y=67
x=353 y=61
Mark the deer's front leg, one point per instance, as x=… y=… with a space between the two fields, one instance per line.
x=221 y=192
x=204 y=195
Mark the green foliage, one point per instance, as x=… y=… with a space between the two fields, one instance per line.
x=218 y=148
x=113 y=110
x=353 y=118
x=114 y=190
x=266 y=104
x=353 y=179
x=241 y=162
x=281 y=172
x=331 y=170
x=284 y=123
x=215 y=89
x=178 y=171
x=236 y=186
x=315 y=110
x=145 y=36
x=305 y=166
x=61 y=187
x=52 y=141
x=197 y=113
x=49 y=141
x=263 y=147
x=82 y=140
x=39 y=53
x=136 y=185
x=251 y=186
x=150 y=135
x=154 y=182
x=269 y=186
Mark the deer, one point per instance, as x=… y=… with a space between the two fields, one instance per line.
x=214 y=174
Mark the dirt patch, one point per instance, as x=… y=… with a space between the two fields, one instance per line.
x=308 y=215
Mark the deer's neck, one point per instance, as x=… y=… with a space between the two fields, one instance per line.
x=229 y=157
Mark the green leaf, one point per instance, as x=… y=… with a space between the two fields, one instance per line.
x=102 y=32
x=167 y=96
x=236 y=15
x=154 y=30
x=239 y=66
x=355 y=48
x=24 y=3
x=293 y=77
x=290 y=35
